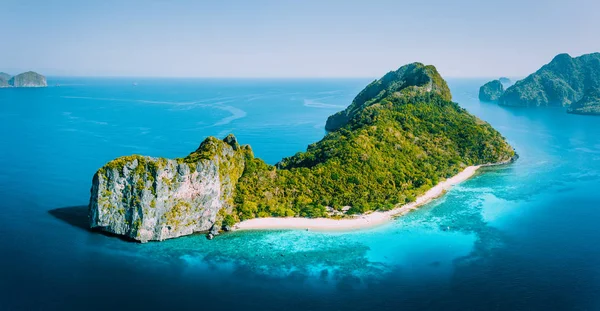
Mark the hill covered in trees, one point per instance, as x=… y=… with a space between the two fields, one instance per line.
x=400 y=136
x=26 y=79
x=415 y=75
x=566 y=81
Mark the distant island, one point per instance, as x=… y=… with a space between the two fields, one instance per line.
x=505 y=81
x=564 y=82
x=400 y=143
x=491 y=91
x=26 y=79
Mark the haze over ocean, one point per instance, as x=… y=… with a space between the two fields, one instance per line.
x=273 y=38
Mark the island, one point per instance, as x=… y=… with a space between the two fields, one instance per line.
x=400 y=143
x=566 y=81
x=491 y=91
x=26 y=79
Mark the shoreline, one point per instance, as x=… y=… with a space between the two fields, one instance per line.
x=361 y=221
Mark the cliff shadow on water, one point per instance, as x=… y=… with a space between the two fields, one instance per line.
x=77 y=216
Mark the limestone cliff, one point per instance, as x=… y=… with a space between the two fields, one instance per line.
x=153 y=199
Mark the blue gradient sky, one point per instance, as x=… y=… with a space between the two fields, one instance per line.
x=269 y=38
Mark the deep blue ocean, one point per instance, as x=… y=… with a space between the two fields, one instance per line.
x=520 y=237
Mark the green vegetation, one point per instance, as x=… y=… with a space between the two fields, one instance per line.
x=145 y=170
x=588 y=104
x=137 y=224
x=400 y=136
x=230 y=164
x=177 y=213
x=412 y=75
x=229 y=220
x=491 y=91
x=562 y=82
x=390 y=151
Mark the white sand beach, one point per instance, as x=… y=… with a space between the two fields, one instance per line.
x=358 y=222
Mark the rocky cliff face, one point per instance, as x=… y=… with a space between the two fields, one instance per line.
x=153 y=199
x=28 y=79
x=491 y=91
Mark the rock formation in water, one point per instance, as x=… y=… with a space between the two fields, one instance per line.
x=491 y=91
x=147 y=198
x=400 y=137
x=28 y=79
x=563 y=82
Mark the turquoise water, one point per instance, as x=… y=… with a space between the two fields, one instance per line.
x=522 y=236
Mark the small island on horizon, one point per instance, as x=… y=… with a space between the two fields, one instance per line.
x=400 y=143
x=26 y=79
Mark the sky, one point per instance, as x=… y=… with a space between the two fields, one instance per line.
x=291 y=38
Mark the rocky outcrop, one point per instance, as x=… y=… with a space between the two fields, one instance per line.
x=28 y=79
x=416 y=75
x=491 y=91
x=153 y=199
